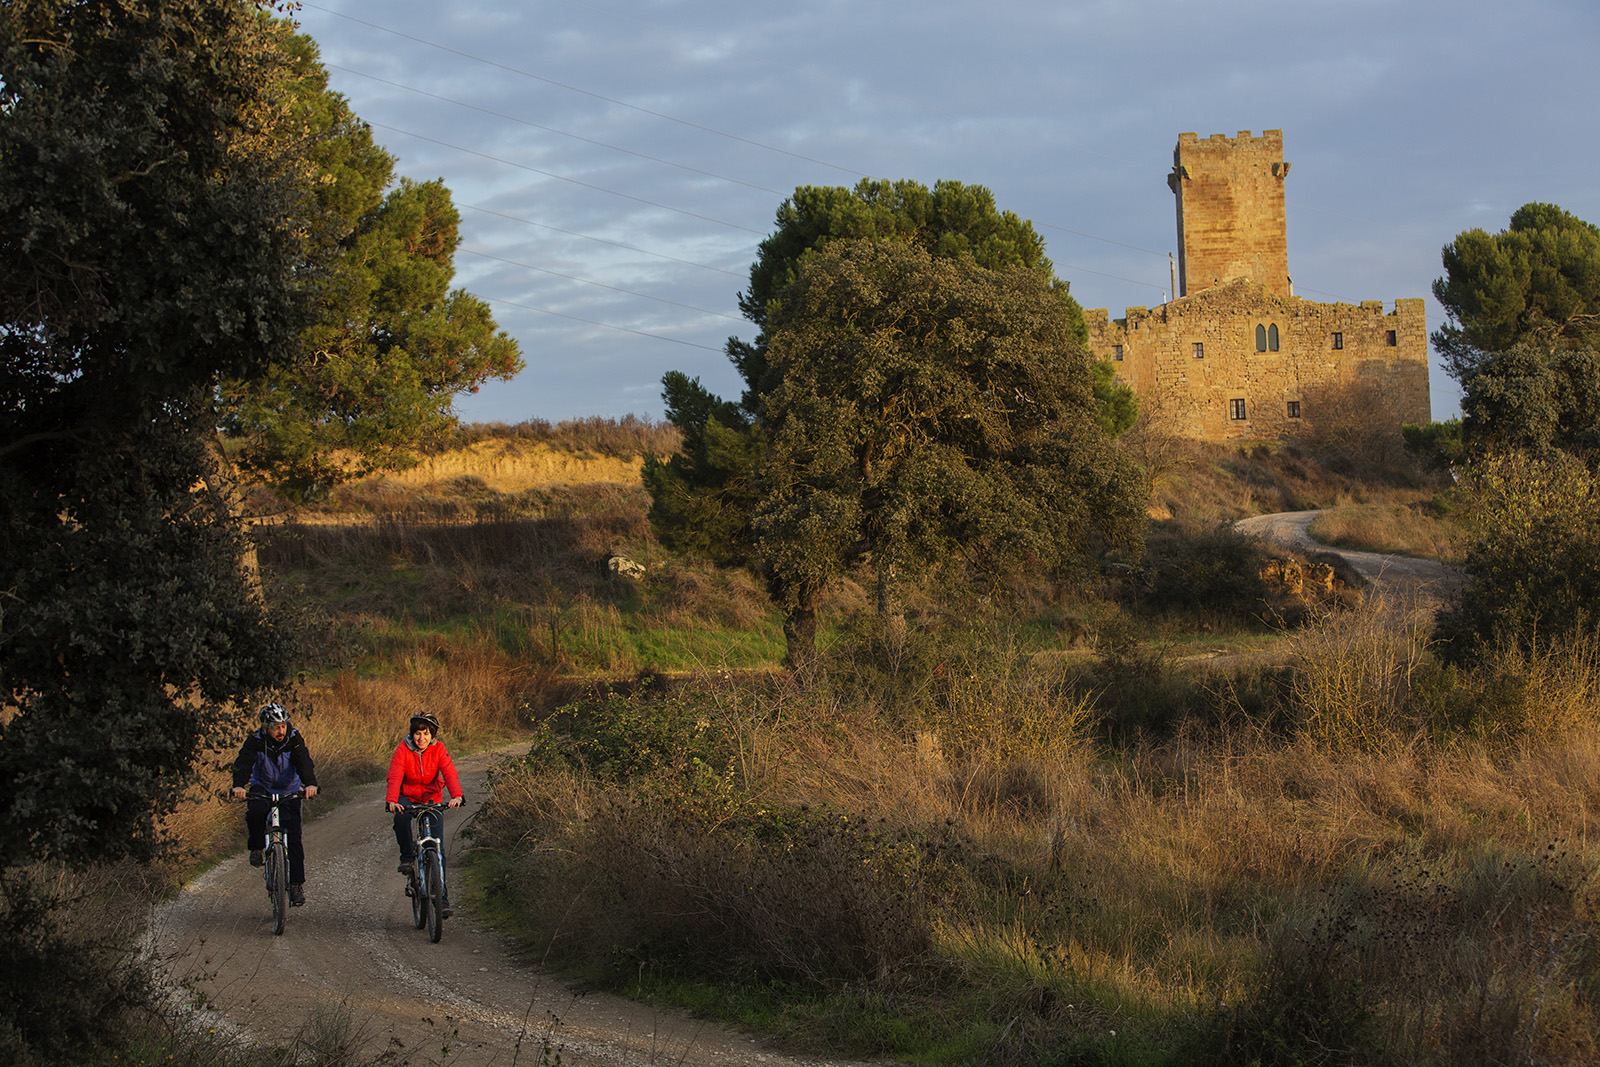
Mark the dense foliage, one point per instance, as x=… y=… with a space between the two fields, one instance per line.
x=149 y=246
x=1538 y=280
x=926 y=409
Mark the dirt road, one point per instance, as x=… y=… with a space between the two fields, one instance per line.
x=353 y=946
x=1404 y=582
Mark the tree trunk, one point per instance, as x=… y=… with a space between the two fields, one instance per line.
x=800 y=637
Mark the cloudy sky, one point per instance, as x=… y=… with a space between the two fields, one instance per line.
x=616 y=162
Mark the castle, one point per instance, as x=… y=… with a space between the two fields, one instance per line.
x=1236 y=355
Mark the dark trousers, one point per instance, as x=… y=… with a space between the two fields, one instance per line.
x=255 y=823
x=432 y=823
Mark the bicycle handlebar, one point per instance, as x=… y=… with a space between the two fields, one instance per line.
x=253 y=793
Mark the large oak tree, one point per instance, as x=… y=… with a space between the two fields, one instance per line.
x=926 y=408
x=151 y=246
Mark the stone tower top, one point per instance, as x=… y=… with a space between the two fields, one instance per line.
x=1231 y=220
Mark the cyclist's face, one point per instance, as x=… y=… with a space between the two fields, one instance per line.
x=422 y=737
x=278 y=731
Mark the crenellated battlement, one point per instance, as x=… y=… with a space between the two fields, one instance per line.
x=1238 y=355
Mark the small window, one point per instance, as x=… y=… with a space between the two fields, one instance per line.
x=1199 y=350
x=1261 y=338
x=1272 y=338
x=1294 y=406
x=1116 y=353
x=1237 y=408
x=1338 y=340
x=1389 y=339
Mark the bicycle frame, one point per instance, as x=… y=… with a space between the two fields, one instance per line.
x=426 y=885
x=275 y=865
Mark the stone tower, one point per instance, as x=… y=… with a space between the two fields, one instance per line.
x=1231 y=220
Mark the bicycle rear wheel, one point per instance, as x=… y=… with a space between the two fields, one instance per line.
x=435 y=895
x=278 y=885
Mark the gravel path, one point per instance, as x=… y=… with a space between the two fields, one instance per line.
x=465 y=1000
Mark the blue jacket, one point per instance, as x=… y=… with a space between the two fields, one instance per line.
x=274 y=767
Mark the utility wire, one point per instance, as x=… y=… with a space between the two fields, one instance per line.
x=592 y=322
x=585 y=92
x=603 y=285
x=564 y=178
x=552 y=129
x=604 y=241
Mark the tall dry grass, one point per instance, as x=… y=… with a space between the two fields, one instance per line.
x=1356 y=879
x=1408 y=528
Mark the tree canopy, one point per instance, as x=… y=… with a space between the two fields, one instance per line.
x=1537 y=281
x=925 y=408
x=151 y=246
x=704 y=495
x=390 y=344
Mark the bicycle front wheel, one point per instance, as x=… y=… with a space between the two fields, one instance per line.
x=435 y=881
x=278 y=885
x=419 y=897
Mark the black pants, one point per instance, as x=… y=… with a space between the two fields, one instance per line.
x=255 y=823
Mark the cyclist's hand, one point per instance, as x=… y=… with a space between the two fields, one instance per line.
x=391 y=806
x=311 y=791
x=238 y=792
x=455 y=802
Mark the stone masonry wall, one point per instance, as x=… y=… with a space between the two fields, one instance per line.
x=1278 y=393
x=1231 y=216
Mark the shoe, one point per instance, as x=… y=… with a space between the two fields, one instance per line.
x=297 y=894
x=256 y=859
x=406 y=869
x=446 y=911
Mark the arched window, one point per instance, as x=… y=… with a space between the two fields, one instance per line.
x=1261 y=338
x=1272 y=338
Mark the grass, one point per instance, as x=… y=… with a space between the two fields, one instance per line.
x=1409 y=528
x=989 y=880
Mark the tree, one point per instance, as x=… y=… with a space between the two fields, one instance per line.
x=1536 y=281
x=927 y=407
x=1534 y=398
x=1533 y=555
x=710 y=481
x=391 y=344
x=150 y=247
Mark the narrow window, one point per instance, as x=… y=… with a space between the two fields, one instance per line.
x=1199 y=350
x=1261 y=338
x=1294 y=409
x=1116 y=353
x=1237 y=407
x=1389 y=338
x=1338 y=340
x=1272 y=338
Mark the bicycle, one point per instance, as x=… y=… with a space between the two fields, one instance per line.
x=425 y=884
x=275 y=866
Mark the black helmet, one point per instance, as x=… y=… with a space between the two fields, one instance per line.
x=424 y=718
x=272 y=714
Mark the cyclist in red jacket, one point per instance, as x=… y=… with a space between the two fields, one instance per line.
x=418 y=774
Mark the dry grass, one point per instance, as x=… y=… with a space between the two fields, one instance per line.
x=1405 y=528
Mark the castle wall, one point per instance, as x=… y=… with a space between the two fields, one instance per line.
x=1278 y=393
x=1231 y=217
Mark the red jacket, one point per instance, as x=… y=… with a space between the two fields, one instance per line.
x=418 y=775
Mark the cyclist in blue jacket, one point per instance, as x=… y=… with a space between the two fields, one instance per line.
x=275 y=759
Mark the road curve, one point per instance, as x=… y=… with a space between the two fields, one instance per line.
x=463 y=1001
x=1404 y=582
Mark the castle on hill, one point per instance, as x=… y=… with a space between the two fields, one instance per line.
x=1236 y=355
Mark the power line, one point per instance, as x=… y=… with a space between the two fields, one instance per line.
x=604 y=241
x=585 y=92
x=592 y=322
x=564 y=178
x=552 y=129
x=603 y=285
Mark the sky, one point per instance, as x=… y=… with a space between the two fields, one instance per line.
x=616 y=163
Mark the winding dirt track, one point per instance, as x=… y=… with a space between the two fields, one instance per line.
x=353 y=946
x=1406 y=583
